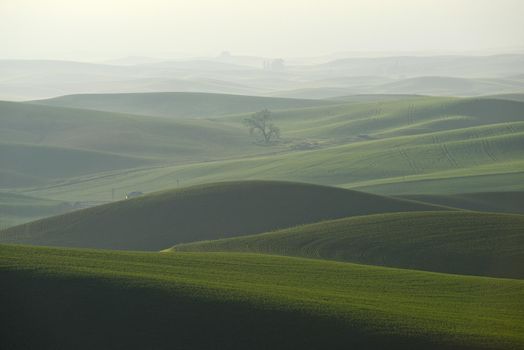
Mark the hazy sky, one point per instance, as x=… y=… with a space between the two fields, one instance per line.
x=100 y=29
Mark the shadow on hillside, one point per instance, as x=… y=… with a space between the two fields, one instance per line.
x=50 y=312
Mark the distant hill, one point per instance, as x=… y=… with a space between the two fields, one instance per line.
x=386 y=116
x=22 y=80
x=361 y=98
x=412 y=66
x=418 y=85
x=178 y=104
x=16 y=208
x=450 y=86
x=119 y=133
x=509 y=97
x=419 y=145
x=25 y=79
x=132 y=60
x=451 y=242
x=39 y=164
x=314 y=92
x=213 y=211
x=504 y=202
x=39 y=144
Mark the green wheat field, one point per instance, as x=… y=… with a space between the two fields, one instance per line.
x=391 y=220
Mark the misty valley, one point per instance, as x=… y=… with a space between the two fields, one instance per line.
x=244 y=201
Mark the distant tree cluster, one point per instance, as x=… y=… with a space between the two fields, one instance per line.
x=275 y=65
x=260 y=123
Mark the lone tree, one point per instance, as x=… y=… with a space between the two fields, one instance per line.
x=260 y=123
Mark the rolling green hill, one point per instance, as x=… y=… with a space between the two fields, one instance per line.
x=506 y=202
x=407 y=146
x=398 y=163
x=43 y=163
x=179 y=104
x=84 y=299
x=16 y=209
x=452 y=242
x=160 y=220
x=42 y=143
x=398 y=117
x=126 y=134
x=411 y=146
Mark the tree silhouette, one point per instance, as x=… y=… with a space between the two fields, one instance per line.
x=261 y=123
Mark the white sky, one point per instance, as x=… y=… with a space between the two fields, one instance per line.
x=103 y=29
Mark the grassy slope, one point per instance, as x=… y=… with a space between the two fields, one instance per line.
x=399 y=117
x=507 y=202
x=41 y=143
x=16 y=209
x=424 y=145
x=451 y=242
x=507 y=178
x=213 y=211
x=125 y=134
x=427 y=139
x=44 y=163
x=393 y=163
x=179 y=104
x=96 y=299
